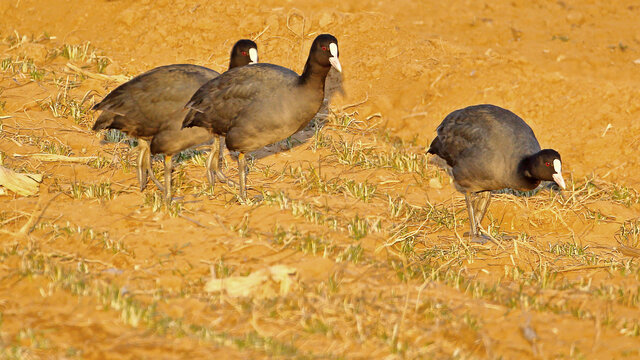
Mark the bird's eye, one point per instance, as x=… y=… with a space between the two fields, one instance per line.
x=548 y=164
x=244 y=53
x=324 y=48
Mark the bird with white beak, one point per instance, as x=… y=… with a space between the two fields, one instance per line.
x=261 y=104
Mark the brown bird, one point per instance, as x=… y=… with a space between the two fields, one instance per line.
x=490 y=148
x=257 y=105
x=150 y=107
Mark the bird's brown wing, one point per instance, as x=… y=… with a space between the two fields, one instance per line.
x=151 y=101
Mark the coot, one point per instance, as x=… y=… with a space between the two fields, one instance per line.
x=150 y=107
x=490 y=148
x=257 y=105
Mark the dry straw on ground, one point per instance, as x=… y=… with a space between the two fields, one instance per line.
x=368 y=234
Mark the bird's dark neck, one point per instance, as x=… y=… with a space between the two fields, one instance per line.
x=527 y=180
x=234 y=62
x=314 y=74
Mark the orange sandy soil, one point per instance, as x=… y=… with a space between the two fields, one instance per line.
x=93 y=268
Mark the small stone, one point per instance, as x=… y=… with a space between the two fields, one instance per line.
x=128 y=17
x=393 y=52
x=575 y=18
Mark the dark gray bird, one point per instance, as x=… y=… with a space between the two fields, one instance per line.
x=257 y=105
x=490 y=148
x=150 y=107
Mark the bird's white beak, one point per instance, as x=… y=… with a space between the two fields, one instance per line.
x=333 y=49
x=253 y=55
x=559 y=180
x=557 y=177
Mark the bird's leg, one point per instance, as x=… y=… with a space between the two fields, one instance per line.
x=481 y=211
x=168 y=168
x=219 y=174
x=143 y=163
x=482 y=205
x=153 y=176
x=476 y=236
x=214 y=166
x=145 y=170
x=211 y=162
x=242 y=166
x=468 y=198
x=220 y=156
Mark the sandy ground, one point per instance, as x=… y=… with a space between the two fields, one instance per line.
x=92 y=268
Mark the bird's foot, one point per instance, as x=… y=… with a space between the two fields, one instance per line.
x=479 y=238
x=143 y=178
x=218 y=176
x=224 y=179
x=156 y=181
x=167 y=194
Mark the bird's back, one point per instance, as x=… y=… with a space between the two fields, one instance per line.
x=253 y=106
x=484 y=145
x=153 y=101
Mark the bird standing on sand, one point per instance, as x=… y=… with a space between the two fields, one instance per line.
x=150 y=107
x=490 y=148
x=254 y=106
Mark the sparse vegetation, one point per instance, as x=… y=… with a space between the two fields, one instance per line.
x=375 y=233
x=92 y=191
